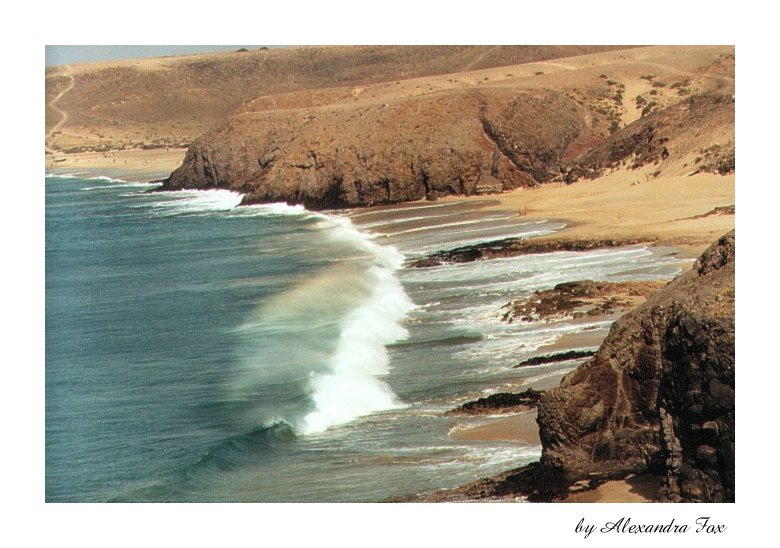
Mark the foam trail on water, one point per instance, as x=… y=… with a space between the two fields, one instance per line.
x=85 y=177
x=123 y=185
x=352 y=387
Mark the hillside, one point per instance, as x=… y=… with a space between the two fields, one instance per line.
x=476 y=132
x=169 y=101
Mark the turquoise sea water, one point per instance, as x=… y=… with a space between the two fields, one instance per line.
x=199 y=351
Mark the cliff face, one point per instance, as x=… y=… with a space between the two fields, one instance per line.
x=337 y=155
x=659 y=394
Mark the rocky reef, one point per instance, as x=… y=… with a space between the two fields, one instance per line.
x=512 y=247
x=658 y=396
x=580 y=298
x=503 y=402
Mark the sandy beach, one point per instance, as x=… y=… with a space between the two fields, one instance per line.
x=131 y=165
x=669 y=210
x=520 y=428
x=631 y=489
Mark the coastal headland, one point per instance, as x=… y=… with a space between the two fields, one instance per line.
x=625 y=145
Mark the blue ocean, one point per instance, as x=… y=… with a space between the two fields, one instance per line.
x=202 y=351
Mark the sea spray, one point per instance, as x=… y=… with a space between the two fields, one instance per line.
x=313 y=354
x=352 y=388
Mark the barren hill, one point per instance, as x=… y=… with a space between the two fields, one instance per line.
x=476 y=131
x=169 y=101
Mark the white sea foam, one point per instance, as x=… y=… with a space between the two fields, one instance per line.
x=123 y=185
x=85 y=177
x=443 y=225
x=277 y=208
x=352 y=387
x=453 y=240
x=401 y=220
x=181 y=202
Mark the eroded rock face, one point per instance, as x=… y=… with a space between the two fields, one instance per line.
x=341 y=155
x=659 y=394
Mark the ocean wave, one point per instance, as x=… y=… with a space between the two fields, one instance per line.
x=242 y=449
x=276 y=208
x=401 y=220
x=407 y=207
x=188 y=202
x=448 y=241
x=321 y=342
x=352 y=387
x=443 y=225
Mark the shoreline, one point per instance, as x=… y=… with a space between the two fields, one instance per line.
x=132 y=165
x=612 y=206
x=608 y=207
x=671 y=211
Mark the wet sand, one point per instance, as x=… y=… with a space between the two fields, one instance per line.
x=631 y=489
x=521 y=427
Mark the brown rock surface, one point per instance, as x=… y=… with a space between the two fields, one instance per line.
x=659 y=394
x=343 y=155
x=503 y=402
x=581 y=298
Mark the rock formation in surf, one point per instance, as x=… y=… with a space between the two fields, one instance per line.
x=658 y=396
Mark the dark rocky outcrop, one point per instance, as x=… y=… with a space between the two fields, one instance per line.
x=722 y=210
x=580 y=298
x=556 y=358
x=659 y=394
x=534 y=483
x=511 y=247
x=503 y=402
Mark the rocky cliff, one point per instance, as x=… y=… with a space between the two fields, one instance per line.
x=659 y=394
x=334 y=154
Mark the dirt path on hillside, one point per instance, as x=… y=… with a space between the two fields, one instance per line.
x=54 y=106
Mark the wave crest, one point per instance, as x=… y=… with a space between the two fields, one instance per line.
x=352 y=387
